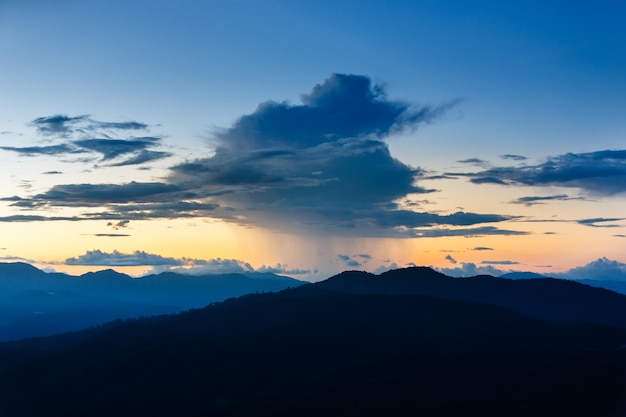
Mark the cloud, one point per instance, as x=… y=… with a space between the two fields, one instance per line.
x=63 y=125
x=110 y=235
x=482 y=248
x=187 y=266
x=284 y=269
x=594 y=222
x=119 y=225
x=450 y=259
x=77 y=137
x=532 y=200
x=470 y=269
x=320 y=166
x=513 y=157
x=92 y=194
x=601 y=173
x=476 y=161
x=466 y=232
x=600 y=269
x=62 y=149
x=115 y=258
x=500 y=263
x=348 y=261
x=322 y=163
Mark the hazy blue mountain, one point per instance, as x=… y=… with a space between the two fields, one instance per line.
x=522 y=275
x=356 y=344
x=609 y=284
x=36 y=303
x=613 y=285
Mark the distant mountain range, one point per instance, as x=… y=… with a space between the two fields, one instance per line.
x=404 y=343
x=36 y=303
x=609 y=284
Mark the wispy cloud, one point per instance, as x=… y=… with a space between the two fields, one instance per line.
x=601 y=173
x=79 y=135
x=601 y=221
x=475 y=161
x=533 y=200
x=505 y=262
x=513 y=157
x=64 y=126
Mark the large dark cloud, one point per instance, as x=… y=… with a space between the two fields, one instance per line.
x=79 y=134
x=600 y=173
x=323 y=162
x=321 y=165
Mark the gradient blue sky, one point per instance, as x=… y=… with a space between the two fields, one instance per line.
x=171 y=81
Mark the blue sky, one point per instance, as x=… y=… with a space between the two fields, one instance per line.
x=481 y=100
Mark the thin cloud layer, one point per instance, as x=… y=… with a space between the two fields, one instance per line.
x=601 y=173
x=534 y=200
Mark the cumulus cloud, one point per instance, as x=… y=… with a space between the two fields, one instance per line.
x=470 y=269
x=600 y=269
x=115 y=258
x=601 y=173
x=322 y=163
x=187 y=266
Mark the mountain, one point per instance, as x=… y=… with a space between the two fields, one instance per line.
x=355 y=344
x=613 y=285
x=522 y=275
x=546 y=298
x=36 y=303
x=609 y=284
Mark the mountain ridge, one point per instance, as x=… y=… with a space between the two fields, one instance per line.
x=313 y=351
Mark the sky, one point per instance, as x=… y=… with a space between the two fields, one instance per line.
x=311 y=137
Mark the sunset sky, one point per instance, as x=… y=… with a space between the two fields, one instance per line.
x=310 y=137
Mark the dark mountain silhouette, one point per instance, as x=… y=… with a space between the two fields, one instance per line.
x=547 y=298
x=356 y=344
x=36 y=303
